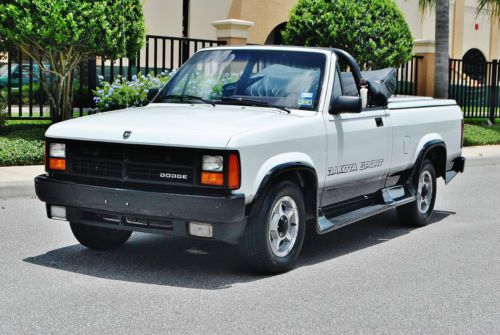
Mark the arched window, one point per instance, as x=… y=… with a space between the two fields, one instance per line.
x=474 y=64
x=274 y=37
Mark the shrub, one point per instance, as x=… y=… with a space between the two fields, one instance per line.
x=122 y=93
x=373 y=31
x=21 y=142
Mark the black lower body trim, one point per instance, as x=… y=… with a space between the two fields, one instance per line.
x=143 y=211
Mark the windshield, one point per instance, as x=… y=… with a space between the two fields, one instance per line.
x=274 y=78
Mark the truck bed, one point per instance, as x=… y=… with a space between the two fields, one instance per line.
x=406 y=101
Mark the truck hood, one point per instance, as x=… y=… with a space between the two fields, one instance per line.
x=182 y=125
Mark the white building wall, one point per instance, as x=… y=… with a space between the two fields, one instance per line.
x=163 y=17
x=201 y=15
x=472 y=38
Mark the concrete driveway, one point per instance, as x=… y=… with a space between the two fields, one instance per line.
x=374 y=277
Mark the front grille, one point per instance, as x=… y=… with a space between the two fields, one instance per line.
x=130 y=162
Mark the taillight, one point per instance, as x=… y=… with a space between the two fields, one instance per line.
x=462 y=135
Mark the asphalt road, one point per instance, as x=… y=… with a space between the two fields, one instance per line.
x=374 y=277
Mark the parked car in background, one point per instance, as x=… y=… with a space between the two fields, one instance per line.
x=18 y=71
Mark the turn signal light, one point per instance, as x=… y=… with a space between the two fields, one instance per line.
x=234 y=172
x=212 y=178
x=57 y=164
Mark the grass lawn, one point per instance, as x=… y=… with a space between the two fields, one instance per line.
x=21 y=142
x=476 y=132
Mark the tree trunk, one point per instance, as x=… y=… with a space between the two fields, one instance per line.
x=67 y=105
x=60 y=96
x=441 y=80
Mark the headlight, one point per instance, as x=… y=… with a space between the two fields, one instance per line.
x=57 y=150
x=212 y=163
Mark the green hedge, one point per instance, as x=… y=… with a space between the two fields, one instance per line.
x=21 y=142
x=476 y=132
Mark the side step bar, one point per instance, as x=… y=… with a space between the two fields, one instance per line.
x=393 y=197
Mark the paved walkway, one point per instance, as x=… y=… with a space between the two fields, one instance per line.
x=481 y=151
x=14 y=174
x=10 y=174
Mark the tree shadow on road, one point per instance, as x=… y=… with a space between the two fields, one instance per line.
x=188 y=263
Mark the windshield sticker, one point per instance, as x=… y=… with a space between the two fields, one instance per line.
x=306 y=99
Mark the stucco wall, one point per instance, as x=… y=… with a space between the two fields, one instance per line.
x=164 y=17
x=201 y=15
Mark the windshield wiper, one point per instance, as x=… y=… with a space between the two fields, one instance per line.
x=250 y=102
x=185 y=98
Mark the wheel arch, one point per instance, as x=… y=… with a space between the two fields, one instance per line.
x=302 y=173
x=435 y=150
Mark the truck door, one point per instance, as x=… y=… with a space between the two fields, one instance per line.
x=358 y=151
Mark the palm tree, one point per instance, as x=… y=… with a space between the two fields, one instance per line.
x=442 y=7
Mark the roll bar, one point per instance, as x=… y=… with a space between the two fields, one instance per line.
x=356 y=71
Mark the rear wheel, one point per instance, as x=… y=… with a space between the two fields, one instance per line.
x=275 y=230
x=418 y=213
x=99 y=238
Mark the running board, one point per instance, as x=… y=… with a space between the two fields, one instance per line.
x=393 y=197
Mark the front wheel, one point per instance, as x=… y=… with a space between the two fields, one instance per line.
x=98 y=238
x=418 y=213
x=275 y=230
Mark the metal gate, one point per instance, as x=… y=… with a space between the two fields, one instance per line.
x=20 y=76
x=475 y=87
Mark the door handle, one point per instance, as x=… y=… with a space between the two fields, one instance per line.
x=379 y=122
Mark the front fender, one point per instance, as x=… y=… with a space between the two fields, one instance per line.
x=289 y=159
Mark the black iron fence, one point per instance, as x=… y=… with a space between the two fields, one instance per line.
x=475 y=87
x=161 y=53
x=407 y=75
x=20 y=79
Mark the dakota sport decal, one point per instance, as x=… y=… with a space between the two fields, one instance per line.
x=352 y=167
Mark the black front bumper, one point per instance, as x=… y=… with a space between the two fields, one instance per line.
x=169 y=212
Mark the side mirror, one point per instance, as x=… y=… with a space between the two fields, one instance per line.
x=345 y=104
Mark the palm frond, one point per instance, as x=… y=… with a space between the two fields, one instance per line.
x=493 y=6
x=426 y=5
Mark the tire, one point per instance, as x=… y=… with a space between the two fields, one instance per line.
x=98 y=238
x=419 y=212
x=275 y=230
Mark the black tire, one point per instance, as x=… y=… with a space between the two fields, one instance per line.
x=98 y=238
x=413 y=214
x=255 y=245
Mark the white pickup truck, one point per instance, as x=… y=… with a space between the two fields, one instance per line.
x=254 y=146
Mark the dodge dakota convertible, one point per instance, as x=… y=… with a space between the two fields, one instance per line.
x=255 y=146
